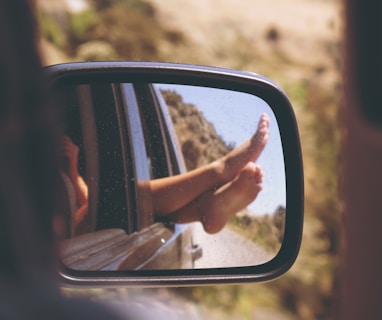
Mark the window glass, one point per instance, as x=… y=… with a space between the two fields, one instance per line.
x=153 y=132
x=95 y=198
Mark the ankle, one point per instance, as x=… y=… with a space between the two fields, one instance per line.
x=221 y=171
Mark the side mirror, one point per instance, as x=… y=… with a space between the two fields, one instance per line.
x=176 y=174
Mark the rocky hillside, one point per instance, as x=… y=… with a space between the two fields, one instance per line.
x=195 y=134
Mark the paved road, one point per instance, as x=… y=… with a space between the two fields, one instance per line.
x=227 y=249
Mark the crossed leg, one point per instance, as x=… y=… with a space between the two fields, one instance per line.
x=214 y=208
x=210 y=194
x=213 y=193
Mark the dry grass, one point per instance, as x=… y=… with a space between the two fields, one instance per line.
x=304 y=27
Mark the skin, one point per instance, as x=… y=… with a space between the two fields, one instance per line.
x=69 y=155
x=69 y=152
x=224 y=187
x=210 y=194
x=214 y=207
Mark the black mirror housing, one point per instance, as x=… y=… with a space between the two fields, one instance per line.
x=74 y=74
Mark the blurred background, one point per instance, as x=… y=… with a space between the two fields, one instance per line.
x=296 y=43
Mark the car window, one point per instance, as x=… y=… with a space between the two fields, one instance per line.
x=122 y=148
x=112 y=192
x=158 y=147
x=153 y=133
x=92 y=125
x=123 y=143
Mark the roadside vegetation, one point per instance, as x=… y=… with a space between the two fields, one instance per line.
x=196 y=136
x=135 y=30
x=265 y=230
x=106 y=30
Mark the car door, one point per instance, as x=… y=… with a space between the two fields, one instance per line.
x=156 y=155
x=134 y=144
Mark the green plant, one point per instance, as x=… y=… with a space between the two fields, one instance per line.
x=51 y=30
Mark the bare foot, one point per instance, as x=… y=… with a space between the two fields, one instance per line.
x=175 y=194
x=217 y=207
x=230 y=165
x=214 y=208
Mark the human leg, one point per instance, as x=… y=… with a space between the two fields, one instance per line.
x=172 y=193
x=249 y=151
x=215 y=207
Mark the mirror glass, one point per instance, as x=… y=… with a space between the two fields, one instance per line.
x=169 y=176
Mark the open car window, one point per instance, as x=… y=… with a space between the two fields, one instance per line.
x=91 y=124
x=123 y=144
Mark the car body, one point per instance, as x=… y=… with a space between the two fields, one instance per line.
x=117 y=118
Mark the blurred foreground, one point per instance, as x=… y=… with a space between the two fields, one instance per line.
x=294 y=42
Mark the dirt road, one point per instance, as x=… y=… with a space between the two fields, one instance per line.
x=227 y=249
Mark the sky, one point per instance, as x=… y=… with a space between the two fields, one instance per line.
x=76 y=5
x=235 y=116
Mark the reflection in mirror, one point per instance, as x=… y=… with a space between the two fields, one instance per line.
x=168 y=176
